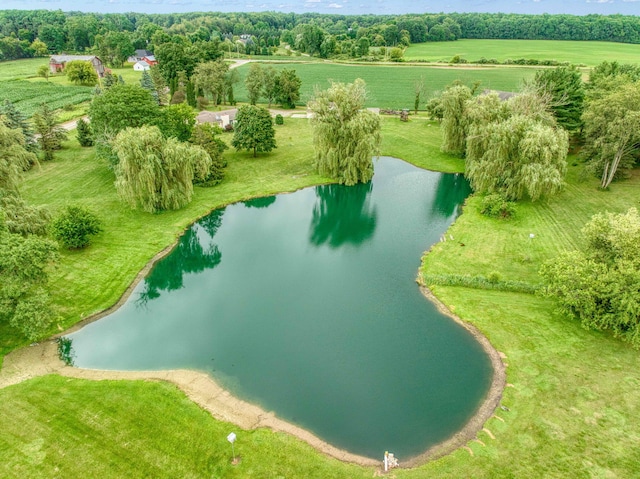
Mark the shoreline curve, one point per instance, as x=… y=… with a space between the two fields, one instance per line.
x=41 y=359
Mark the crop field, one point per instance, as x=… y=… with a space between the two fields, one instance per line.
x=27 y=96
x=394 y=86
x=587 y=53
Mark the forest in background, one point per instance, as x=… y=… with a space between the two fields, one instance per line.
x=29 y=33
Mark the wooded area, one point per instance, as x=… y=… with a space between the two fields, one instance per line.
x=25 y=34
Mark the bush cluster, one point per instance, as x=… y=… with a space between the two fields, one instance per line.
x=74 y=226
x=497 y=206
x=492 y=282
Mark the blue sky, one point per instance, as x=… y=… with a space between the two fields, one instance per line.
x=576 y=7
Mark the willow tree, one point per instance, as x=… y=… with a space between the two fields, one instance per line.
x=154 y=173
x=518 y=156
x=454 y=100
x=346 y=137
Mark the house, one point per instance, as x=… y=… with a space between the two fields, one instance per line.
x=150 y=60
x=139 y=55
x=141 y=66
x=223 y=119
x=57 y=62
x=503 y=95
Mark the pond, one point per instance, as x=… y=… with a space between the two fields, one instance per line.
x=306 y=304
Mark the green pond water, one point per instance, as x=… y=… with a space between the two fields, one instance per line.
x=306 y=304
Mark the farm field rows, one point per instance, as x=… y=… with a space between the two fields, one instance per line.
x=587 y=53
x=27 y=96
x=393 y=86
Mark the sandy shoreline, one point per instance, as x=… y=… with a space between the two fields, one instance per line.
x=42 y=358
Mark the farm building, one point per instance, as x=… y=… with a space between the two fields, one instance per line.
x=150 y=60
x=141 y=66
x=139 y=55
x=57 y=62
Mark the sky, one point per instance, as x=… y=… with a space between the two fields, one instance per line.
x=345 y=7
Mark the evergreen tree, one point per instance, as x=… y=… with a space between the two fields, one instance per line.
x=15 y=119
x=51 y=134
x=83 y=132
x=147 y=83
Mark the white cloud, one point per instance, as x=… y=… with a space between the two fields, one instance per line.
x=334 y=5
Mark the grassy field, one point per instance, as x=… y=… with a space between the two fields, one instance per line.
x=572 y=398
x=393 y=86
x=587 y=53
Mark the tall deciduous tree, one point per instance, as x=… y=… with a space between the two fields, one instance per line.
x=81 y=73
x=122 y=106
x=288 y=88
x=254 y=130
x=177 y=121
x=270 y=84
x=599 y=285
x=346 y=137
x=51 y=134
x=115 y=47
x=154 y=173
x=206 y=135
x=211 y=78
x=253 y=83
x=612 y=130
x=24 y=300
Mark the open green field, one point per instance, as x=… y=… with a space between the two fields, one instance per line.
x=587 y=53
x=393 y=86
x=572 y=398
x=21 y=69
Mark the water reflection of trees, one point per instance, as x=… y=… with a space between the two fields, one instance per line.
x=189 y=256
x=262 y=202
x=451 y=190
x=343 y=215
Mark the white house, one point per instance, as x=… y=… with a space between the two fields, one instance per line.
x=141 y=66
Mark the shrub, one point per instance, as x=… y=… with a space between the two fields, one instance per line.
x=496 y=206
x=74 y=226
x=84 y=135
x=279 y=119
x=203 y=103
x=178 y=97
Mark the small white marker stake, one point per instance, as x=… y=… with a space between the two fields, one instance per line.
x=232 y=438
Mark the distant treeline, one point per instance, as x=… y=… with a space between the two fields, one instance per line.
x=31 y=33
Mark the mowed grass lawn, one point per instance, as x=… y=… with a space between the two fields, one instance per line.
x=572 y=398
x=393 y=86
x=587 y=53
